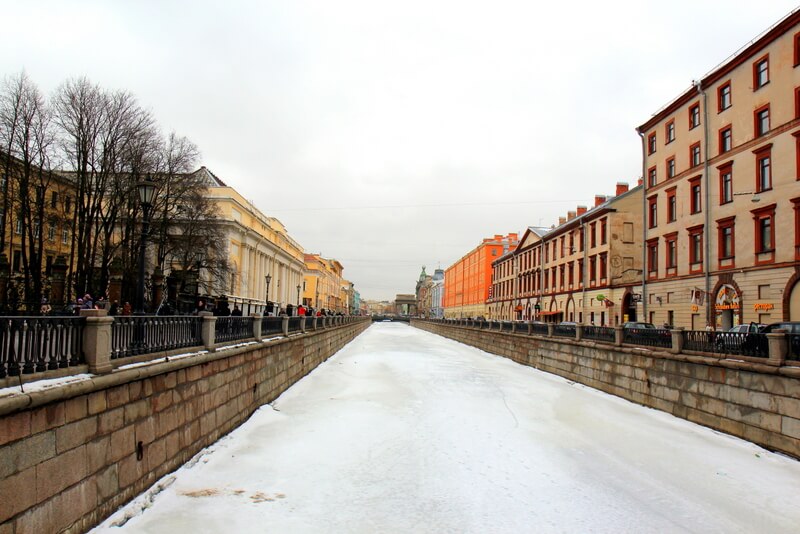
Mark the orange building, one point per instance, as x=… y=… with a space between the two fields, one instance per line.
x=467 y=281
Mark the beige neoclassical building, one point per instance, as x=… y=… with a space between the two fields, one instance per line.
x=721 y=207
x=258 y=246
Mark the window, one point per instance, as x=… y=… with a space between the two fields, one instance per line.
x=36 y=228
x=671 y=245
x=694 y=155
x=761 y=72
x=592 y=270
x=67 y=204
x=571 y=273
x=651 y=143
x=763 y=168
x=603 y=232
x=53 y=199
x=16 y=263
x=580 y=241
x=18 y=227
x=603 y=267
x=580 y=273
x=724 y=97
x=669 y=132
x=671 y=167
x=65 y=235
x=761 y=121
x=696 y=249
x=796 y=49
x=652 y=179
x=694 y=116
x=796 y=152
x=796 y=202
x=51 y=231
x=695 y=200
x=726 y=183
x=652 y=258
x=652 y=211
x=725 y=238
x=725 y=139
x=672 y=205
x=592 y=235
x=764 y=219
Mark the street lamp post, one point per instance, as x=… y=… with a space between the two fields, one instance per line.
x=298 y=293
x=267 y=279
x=147 y=190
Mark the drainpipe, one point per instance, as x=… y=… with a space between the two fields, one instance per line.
x=543 y=245
x=645 y=185
x=706 y=241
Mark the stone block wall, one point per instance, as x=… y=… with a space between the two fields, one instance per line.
x=71 y=456
x=751 y=400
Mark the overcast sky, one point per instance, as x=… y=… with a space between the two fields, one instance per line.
x=391 y=135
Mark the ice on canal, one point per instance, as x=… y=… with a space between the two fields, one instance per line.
x=406 y=431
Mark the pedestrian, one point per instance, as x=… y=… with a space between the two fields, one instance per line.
x=301 y=310
x=236 y=311
x=45 y=309
x=127 y=309
x=114 y=309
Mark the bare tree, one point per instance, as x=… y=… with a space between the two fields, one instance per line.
x=28 y=135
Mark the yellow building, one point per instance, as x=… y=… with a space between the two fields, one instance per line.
x=259 y=247
x=722 y=200
x=324 y=284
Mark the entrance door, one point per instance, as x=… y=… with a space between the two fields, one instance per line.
x=629 y=307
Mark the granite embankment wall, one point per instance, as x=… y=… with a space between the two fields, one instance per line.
x=72 y=455
x=754 y=401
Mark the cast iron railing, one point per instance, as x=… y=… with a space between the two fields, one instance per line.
x=294 y=324
x=233 y=329
x=648 y=337
x=35 y=344
x=598 y=333
x=564 y=330
x=794 y=347
x=272 y=326
x=132 y=335
x=539 y=329
x=729 y=343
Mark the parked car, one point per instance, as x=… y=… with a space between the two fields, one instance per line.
x=793 y=327
x=568 y=323
x=638 y=325
x=750 y=328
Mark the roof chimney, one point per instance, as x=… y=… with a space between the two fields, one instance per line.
x=640 y=182
x=498 y=237
x=571 y=215
x=622 y=187
x=561 y=220
x=599 y=199
x=581 y=210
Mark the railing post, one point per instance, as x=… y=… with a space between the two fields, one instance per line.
x=578 y=332
x=677 y=340
x=285 y=325
x=550 y=329
x=530 y=328
x=314 y=322
x=618 y=335
x=778 y=344
x=256 y=326
x=303 y=324
x=97 y=341
x=207 y=333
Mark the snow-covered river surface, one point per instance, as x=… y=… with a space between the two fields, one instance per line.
x=405 y=431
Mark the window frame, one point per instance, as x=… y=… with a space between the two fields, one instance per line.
x=726 y=259
x=758 y=82
x=652 y=258
x=652 y=211
x=651 y=143
x=671 y=254
x=721 y=137
x=721 y=97
x=652 y=176
x=669 y=131
x=696 y=250
x=671 y=169
x=695 y=155
x=764 y=254
x=694 y=115
x=758 y=121
x=672 y=204
x=695 y=195
x=763 y=153
x=725 y=193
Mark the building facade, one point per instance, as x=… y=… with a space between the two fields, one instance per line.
x=437 y=294
x=468 y=281
x=584 y=270
x=324 y=286
x=258 y=247
x=721 y=207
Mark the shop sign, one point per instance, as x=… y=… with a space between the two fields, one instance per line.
x=763 y=306
x=727 y=298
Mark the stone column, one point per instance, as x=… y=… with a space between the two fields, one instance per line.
x=530 y=328
x=285 y=325
x=578 y=332
x=314 y=322
x=778 y=347
x=550 y=329
x=677 y=340
x=208 y=331
x=97 y=341
x=256 y=326
x=303 y=324
x=618 y=335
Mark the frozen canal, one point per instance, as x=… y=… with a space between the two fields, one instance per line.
x=405 y=431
